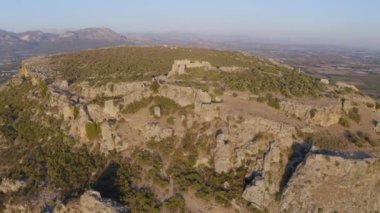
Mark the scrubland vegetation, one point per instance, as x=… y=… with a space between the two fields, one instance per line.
x=39 y=152
x=134 y=63
x=143 y=63
x=168 y=107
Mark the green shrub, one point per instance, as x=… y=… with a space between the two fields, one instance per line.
x=273 y=102
x=354 y=114
x=370 y=105
x=344 y=122
x=262 y=136
x=270 y=100
x=365 y=137
x=93 y=131
x=170 y=120
x=154 y=174
x=377 y=105
x=261 y=99
x=360 y=144
x=195 y=84
x=218 y=91
x=154 y=87
x=326 y=140
x=168 y=106
x=313 y=112
x=374 y=143
x=137 y=105
x=137 y=199
x=175 y=203
x=112 y=87
x=76 y=112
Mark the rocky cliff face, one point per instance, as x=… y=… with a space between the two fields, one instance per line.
x=189 y=145
x=323 y=116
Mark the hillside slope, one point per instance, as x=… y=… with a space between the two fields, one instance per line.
x=158 y=129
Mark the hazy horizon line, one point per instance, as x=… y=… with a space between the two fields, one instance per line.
x=244 y=37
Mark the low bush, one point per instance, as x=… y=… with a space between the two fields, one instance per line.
x=344 y=122
x=370 y=105
x=313 y=112
x=137 y=105
x=137 y=199
x=218 y=91
x=270 y=100
x=326 y=140
x=93 y=131
x=354 y=114
x=170 y=120
x=154 y=87
x=175 y=204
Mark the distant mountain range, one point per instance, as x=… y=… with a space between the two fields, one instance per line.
x=38 y=42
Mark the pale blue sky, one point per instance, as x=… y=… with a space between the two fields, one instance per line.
x=355 y=22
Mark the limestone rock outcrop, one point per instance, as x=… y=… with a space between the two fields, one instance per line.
x=268 y=162
x=91 y=202
x=154 y=131
x=113 y=89
x=323 y=116
x=8 y=185
x=333 y=183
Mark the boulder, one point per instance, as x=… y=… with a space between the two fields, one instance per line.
x=325 y=81
x=110 y=109
x=157 y=111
